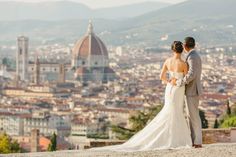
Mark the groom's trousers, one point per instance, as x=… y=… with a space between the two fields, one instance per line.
x=192 y=104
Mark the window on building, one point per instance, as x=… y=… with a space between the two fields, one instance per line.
x=20 y=51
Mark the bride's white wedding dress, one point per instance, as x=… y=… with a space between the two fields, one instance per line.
x=168 y=130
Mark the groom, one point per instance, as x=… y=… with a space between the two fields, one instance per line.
x=193 y=89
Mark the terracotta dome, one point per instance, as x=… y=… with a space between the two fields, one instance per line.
x=89 y=45
x=90 y=59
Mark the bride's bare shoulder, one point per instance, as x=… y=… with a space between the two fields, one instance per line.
x=168 y=60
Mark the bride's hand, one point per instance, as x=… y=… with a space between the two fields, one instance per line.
x=173 y=81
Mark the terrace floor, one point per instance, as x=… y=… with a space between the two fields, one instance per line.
x=213 y=150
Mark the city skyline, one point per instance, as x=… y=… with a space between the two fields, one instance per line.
x=75 y=76
x=103 y=3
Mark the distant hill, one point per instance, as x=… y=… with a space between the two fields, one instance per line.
x=66 y=31
x=66 y=10
x=129 y=11
x=209 y=21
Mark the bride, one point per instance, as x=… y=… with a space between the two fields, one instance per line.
x=169 y=129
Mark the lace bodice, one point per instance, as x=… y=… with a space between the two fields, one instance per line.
x=177 y=75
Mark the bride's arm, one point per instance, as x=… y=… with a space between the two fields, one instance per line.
x=163 y=73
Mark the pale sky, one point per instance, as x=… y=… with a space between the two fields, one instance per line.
x=104 y=3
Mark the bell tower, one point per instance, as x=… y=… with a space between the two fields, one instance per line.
x=37 y=72
x=22 y=58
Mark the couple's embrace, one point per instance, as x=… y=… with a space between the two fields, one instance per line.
x=170 y=128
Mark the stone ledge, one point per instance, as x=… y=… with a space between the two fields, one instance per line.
x=211 y=136
x=212 y=150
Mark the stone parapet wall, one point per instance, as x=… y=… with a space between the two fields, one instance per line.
x=104 y=143
x=219 y=135
x=209 y=136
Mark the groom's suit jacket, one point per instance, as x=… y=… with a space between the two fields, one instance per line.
x=192 y=79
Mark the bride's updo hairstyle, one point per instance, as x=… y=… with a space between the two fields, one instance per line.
x=177 y=47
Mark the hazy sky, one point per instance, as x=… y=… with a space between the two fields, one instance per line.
x=104 y=3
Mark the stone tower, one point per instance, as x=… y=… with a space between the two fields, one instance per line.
x=62 y=73
x=34 y=140
x=22 y=58
x=37 y=72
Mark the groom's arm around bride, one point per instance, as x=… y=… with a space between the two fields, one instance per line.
x=192 y=79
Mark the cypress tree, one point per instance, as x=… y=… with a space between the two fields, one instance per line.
x=216 y=124
x=203 y=119
x=228 y=108
x=53 y=145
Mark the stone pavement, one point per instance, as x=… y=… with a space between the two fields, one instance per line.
x=213 y=150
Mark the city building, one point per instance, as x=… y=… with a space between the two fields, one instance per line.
x=46 y=123
x=12 y=124
x=89 y=62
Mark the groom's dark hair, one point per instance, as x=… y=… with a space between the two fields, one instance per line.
x=189 y=42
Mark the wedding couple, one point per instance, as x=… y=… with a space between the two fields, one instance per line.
x=170 y=129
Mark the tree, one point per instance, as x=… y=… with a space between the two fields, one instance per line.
x=8 y=62
x=5 y=61
x=15 y=147
x=122 y=133
x=229 y=122
x=53 y=145
x=228 y=108
x=7 y=145
x=203 y=119
x=4 y=144
x=216 y=124
x=138 y=122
